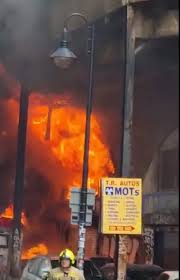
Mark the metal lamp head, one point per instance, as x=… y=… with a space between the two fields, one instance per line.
x=63 y=57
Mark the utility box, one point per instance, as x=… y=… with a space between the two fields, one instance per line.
x=75 y=201
x=5 y=241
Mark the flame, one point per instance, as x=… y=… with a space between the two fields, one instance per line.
x=56 y=128
x=67 y=140
x=40 y=249
x=8 y=213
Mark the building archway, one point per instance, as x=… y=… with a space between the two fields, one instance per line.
x=161 y=205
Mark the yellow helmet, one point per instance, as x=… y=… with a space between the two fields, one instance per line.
x=67 y=254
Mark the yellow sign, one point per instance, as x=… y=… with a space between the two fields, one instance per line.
x=121 y=206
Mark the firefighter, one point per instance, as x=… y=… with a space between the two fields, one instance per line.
x=66 y=271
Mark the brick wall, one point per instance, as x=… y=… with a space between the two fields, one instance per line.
x=91 y=242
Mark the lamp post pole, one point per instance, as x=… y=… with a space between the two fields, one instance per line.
x=63 y=57
x=83 y=201
x=19 y=182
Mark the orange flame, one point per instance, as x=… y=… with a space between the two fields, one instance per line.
x=64 y=124
x=40 y=249
x=8 y=213
x=66 y=131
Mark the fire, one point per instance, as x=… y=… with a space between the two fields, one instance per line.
x=8 y=213
x=66 y=139
x=55 y=147
x=40 y=249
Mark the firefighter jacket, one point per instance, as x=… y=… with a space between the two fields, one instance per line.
x=73 y=274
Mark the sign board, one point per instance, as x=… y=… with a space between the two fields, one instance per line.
x=75 y=202
x=121 y=211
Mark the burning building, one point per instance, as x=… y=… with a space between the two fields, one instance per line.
x=53 y=165
x=56 y=111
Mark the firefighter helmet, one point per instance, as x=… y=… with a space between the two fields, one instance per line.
x=67 y=254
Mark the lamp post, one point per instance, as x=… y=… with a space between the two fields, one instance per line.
x=19 y=183
x=63 y=58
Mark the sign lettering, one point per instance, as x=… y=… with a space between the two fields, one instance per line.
x=121 y=206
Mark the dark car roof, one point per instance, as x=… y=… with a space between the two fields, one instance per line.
x=138 y=267
x=145 y=267
x=136 y=271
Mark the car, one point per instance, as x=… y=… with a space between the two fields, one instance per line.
x=171 y=275
x=39 y=267
x=134 y=271
x=100 y=261
x=91 y=271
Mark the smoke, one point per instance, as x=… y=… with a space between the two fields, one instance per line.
x=26 y=40
x=20 y=20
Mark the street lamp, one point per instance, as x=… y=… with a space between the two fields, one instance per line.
x=19 y=182
x=63 y=57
